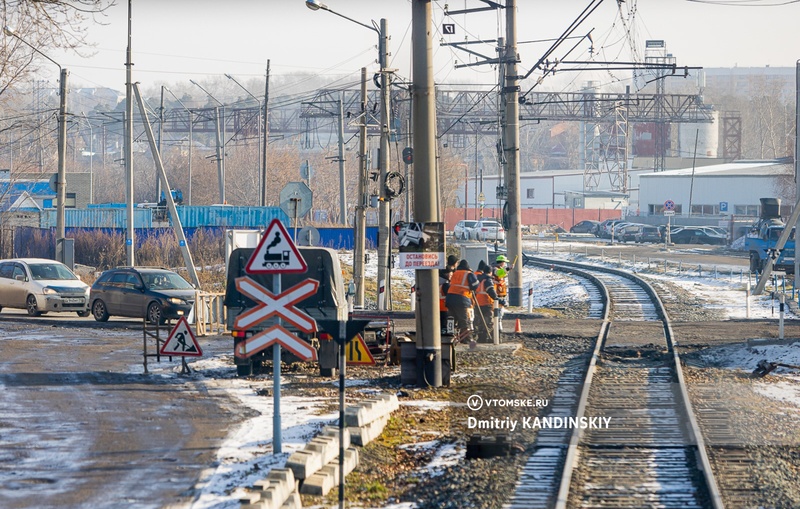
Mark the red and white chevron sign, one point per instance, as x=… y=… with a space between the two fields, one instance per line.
x=276 y=334
x=281 y=304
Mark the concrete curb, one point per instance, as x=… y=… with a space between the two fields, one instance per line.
x=315 y=468
x=274 y=492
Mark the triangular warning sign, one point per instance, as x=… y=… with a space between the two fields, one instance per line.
x=181 y=341
x=357 y=351
x=276 y=253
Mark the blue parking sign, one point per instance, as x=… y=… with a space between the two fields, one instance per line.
x=723 y=206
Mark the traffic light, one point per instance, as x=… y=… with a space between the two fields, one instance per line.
x=408 y=155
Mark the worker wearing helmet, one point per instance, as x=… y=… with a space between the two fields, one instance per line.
x=500 y=276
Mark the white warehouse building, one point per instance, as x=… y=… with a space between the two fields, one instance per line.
x=723 y=189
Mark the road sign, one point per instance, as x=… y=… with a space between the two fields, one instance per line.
x=448 y=28
x=669 y=205
x=281 y=304
x=669 y=212
x=723 y=206
x=296 y=199
x=308 y=236
x=181 y=341
x=357 y=351
x=276 y=334
x=276 y=253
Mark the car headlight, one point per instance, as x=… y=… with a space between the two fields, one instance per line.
x=177 y=301
x=49 y=291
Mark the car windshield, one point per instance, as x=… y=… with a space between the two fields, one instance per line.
x=51 y=272
x=165 y=281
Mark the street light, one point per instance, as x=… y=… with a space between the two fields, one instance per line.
x=220 y=143
x=61 y=182
x=263 y=170
x=384 y=201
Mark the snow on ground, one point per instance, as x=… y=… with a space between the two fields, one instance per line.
x=246 y=455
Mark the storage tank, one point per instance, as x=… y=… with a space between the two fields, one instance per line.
x=707 y=134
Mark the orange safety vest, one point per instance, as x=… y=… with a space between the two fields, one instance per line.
x=442 y=295
x=482 y=297
x=499 y=285
x=459 y=284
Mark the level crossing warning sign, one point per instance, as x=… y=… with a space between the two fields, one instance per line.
x=181 y=341
x=276 y=253
x=357 y=351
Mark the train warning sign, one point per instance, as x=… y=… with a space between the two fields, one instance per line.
x=357 y=351
x=276 y=253
x=181 y=341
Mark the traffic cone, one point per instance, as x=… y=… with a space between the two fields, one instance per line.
x=517 y=327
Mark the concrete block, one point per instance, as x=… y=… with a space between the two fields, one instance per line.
x=370 y=410
x=250 y=500
x=327 y=477
x=365 y=434
x=293 y=502
x=304 y=463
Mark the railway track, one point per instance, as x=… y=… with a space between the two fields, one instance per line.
x=651 y=454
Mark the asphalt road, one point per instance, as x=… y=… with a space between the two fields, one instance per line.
x=82 y=426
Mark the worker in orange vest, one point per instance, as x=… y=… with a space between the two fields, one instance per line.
x=500 y=276
x=460 y=292
x=485 y=297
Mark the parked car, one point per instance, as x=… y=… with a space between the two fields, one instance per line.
x=586 y=226
x=648 y=234
x=604 y=229
x=40 y=286
x=627 y=232
x=696 y=235
x=463 y=229
x=155 y=294
x=489 y=230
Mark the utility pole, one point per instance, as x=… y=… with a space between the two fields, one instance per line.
x=426 y=183
x=130 y=237
x=265 y=132
x=511 y=147
x=360 y=218
x=342 y=187
x=796 y=166
x=160 y=131
x=384 y=241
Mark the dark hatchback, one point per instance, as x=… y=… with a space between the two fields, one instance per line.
x=155 y=294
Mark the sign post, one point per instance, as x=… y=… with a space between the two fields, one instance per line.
x=341 y=332
x=276 y=254
x=669 y=211
x=181 y=342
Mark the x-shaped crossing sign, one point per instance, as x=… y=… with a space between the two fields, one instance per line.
x=281 y=304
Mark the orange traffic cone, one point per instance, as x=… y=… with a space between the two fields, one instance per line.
x=517 y=327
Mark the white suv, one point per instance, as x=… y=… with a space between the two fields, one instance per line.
x=41 y=285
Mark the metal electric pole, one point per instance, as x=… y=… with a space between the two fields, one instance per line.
x=130 y=236
x=426 y=183
x=61 y=185
x=796 y=166
x=342 y=170
x=511 y=148
x=265 y=132
x=360 y=219
x=384 y=241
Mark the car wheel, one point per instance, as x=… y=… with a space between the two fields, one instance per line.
x=84 y=314
x=154 y=313
x=100 y=311
x=33 y=308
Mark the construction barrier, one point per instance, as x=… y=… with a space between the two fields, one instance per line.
x=209 y=313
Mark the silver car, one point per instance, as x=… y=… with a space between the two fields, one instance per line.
x=40 y=286
x=489 y=230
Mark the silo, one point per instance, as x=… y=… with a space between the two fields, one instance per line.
x=707 y=134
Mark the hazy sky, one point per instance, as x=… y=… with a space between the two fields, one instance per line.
x=178 y=40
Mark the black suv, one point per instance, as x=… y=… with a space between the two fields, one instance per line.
x=155 y=294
